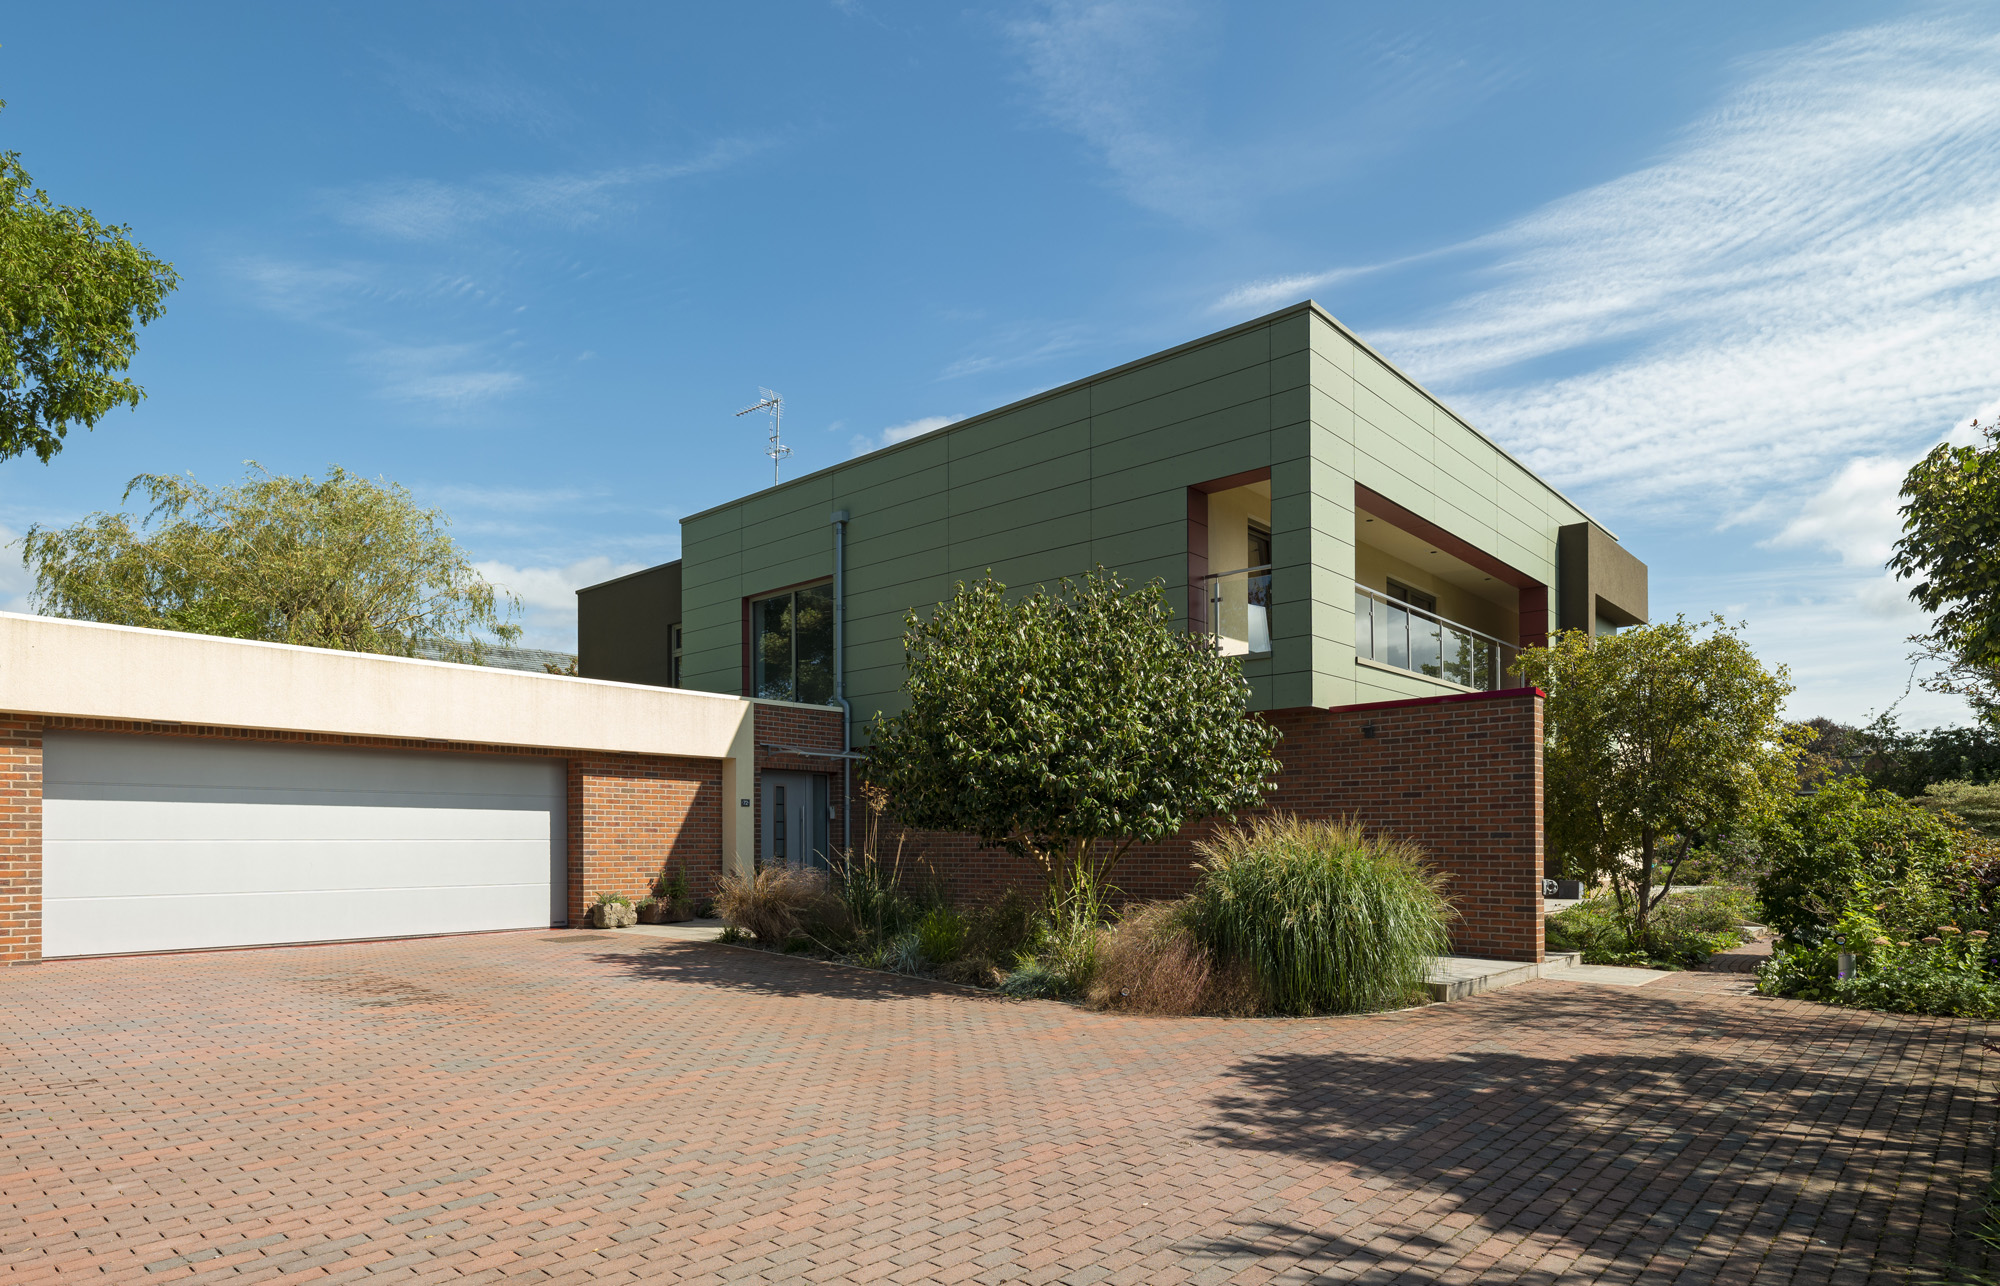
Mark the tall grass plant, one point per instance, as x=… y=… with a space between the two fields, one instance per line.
x=1328 y=918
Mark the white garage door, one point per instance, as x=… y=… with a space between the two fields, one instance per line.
x=167 y=843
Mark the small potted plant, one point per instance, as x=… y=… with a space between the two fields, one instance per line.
x=650 y=910
x=612 y=911
x=673 y=893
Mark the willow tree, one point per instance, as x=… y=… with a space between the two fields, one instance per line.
x=340 y=562
x=1067 y=726
x=1654 y=738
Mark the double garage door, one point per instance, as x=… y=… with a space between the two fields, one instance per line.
x=171 y=843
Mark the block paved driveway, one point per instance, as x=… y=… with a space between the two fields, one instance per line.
x=597 y=1107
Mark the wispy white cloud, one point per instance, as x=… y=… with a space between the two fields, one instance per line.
x=863 y=443
x=427 y=209
x=456 y=98
x=1812 y=274
x=1019 y=345
x=1126 y=77
x=445 y=377
x=548 y=595
x=554 y=587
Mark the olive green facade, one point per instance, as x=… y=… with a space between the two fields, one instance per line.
x=1100 y=472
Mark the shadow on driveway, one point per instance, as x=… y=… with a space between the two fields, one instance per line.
x=1646 y=1131
x=747 y=969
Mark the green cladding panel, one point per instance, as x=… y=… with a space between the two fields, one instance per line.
x=1099 y=472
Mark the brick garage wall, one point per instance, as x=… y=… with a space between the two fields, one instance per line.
x=630 y=816
x=627 y=813
x=1459 y=775
x=800 y=728
x=20 y=839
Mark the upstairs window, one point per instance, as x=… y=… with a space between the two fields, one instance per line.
x=791 y=646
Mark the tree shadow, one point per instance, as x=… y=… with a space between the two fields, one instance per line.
x=769 y=973
x=1688 y=1140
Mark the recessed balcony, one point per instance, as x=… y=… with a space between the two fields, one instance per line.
x=1239 y=610
x=1401 y=635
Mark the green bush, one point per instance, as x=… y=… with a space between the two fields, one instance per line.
x=1684 y=931
x=940 y=935
x=1976 y=806
x=1846 y=844
x=1327 y=918
x=1004 y=930
x=1943 y=973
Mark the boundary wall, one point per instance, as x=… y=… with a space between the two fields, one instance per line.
x=1460 y=776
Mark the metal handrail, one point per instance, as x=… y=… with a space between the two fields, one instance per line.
x=1414 y=610
x=1261 y=567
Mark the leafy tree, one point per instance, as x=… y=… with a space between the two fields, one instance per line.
x=1844 y=845
x=337 y=562
x=1066 y=727
x=1951 y=538
x=73 y=293
x=1655 y=738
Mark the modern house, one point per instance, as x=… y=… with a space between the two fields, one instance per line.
x=1358 y=545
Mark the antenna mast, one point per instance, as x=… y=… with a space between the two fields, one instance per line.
x=776 y=406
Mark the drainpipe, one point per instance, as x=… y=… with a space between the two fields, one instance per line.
x=840 y=677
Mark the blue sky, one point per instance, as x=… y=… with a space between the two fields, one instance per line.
x=1720 y=271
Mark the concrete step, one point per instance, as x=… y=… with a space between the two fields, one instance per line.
x=1456 y=977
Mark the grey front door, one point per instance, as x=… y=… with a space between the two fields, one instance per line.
x=795 y=820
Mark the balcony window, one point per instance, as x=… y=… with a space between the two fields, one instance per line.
x=1394 y=630
x=791 y=646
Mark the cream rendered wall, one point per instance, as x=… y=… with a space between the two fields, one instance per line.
x=1375 y=567
x=1229 y=515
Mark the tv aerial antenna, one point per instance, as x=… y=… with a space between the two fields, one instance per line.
x=776 y=406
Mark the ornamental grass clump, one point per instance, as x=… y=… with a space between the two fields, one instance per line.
x=1327 y=918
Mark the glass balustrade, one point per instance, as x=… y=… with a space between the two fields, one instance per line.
x=1239 y=611
x=1396 y=634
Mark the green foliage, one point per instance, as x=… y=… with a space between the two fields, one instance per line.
x=613 y=899
x=339 y=562
x=731 y=936
x=1051 y=725
x=1978 y=807
x=73 y=293
x=1843 y=845
x=1951 y=539
x=1656 y=737
x=1904 y=762
x=1034 y=980
x=1943 y=974
x=1683 y=932
x=671 y=886
x=940 y=935
x=1327 y=918
x=1004 y=930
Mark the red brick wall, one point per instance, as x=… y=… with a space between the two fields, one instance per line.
x=20 y=839
x=1459 y=775
x=632 y=815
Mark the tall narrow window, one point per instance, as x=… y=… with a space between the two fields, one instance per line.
x=791 y=646
x=673 y=656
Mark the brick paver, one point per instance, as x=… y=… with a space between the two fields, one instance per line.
x=571 y=1107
